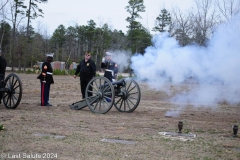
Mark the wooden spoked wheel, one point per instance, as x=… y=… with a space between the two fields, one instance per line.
x=129 y=97
x=13 y=91
x=99 y=95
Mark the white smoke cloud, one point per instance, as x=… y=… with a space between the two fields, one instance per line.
x=216 y=68
x=176 y=112
x=122 y=58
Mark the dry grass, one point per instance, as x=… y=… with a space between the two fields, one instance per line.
x=84 y=130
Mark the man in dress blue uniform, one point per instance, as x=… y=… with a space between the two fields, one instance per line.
x=3 y=65
x=46 y=79
x=110 y=67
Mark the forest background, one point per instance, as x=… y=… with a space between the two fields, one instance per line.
x=23 y=46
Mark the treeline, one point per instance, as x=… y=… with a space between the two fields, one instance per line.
x=23 y=46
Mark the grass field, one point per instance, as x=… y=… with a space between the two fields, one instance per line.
x=58 y=132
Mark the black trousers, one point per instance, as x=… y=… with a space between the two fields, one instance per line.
x=1 y=83
x=83 y=88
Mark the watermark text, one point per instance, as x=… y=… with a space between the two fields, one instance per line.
x=28 y=155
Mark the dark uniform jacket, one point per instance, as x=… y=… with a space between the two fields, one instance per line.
x=111 y=69
x=87 y=70
x=3 y=65
x=47 y=69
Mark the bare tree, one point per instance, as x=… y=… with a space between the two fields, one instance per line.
x=181 y=27
x=204 y=20
x=228 y=8
x=32 y=13
x=17 y=7
x=3 y=18
x=3 y=4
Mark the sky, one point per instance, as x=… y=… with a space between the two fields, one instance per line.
x=113 y=12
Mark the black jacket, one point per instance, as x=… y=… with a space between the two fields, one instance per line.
x=87 y=70
x=3 y=65
x=47 y=69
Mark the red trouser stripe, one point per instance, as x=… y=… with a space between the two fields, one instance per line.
x=42 y=93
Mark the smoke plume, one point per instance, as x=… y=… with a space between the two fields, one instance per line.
x=122 y=58
x=215 y=68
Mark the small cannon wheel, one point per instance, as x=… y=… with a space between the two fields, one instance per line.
x=129 y=97
x=99 y=95
x=13 y=96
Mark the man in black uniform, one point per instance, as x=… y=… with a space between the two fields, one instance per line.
x=3 y=65
x=110 y=67
x=46 y=79
x=87 y=70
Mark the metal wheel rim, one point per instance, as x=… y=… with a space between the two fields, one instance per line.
x=129 y=100
x=102 y=90
x=12 y=98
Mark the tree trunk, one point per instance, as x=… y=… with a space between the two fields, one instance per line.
x=28 y=22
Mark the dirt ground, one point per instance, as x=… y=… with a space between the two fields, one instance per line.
x=32 y=131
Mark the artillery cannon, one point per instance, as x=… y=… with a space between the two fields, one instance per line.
x=11 y=89
x=101 y=95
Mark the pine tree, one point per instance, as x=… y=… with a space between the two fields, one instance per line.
x=162 y=21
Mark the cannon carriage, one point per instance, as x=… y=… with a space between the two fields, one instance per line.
x=11 y=90
x=101 y=95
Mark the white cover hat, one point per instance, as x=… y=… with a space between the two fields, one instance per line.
x=50 y=55
x=108 y=54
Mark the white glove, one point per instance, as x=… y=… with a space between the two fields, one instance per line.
x=103 y=59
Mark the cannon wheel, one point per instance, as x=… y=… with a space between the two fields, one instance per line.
x=102 y=98
x=129 y=97
x=13 y=96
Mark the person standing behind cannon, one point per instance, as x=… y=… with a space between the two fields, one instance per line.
x=110 y=67
x=3 y=65
x=87 y=70
x=46 y=79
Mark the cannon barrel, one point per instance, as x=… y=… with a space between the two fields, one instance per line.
x=119 y=83
x=115 y=84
